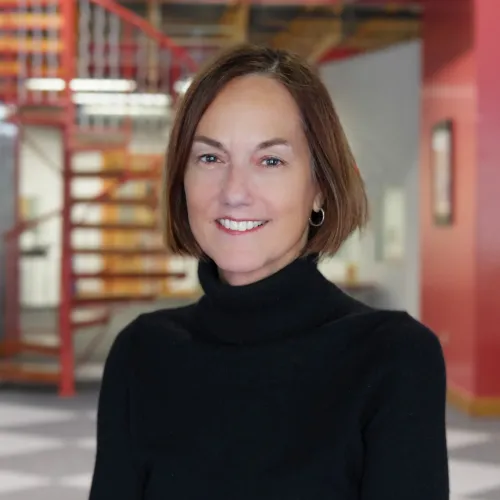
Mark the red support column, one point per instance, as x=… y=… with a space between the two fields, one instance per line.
x=461 y=262
x=486 y=16
x=67 y=382
x=12 y=263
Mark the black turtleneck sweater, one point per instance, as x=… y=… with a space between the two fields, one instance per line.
x=284 y=389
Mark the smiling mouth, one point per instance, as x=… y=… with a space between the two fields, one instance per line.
x=241 y=226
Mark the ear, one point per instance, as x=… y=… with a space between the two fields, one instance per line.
x=318 y=201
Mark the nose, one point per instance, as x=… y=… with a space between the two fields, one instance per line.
x=235 y=190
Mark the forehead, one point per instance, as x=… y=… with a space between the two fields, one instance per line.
x=252 y=103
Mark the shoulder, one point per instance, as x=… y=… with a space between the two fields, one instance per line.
x=388 y=331
x=406 y=354
x=389 y=342
x=403 y=338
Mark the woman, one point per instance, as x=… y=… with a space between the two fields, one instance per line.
x=275 y=385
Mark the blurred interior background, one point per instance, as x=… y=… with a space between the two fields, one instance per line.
x=88 y=89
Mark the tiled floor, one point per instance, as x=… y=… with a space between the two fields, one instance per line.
x=47 y=449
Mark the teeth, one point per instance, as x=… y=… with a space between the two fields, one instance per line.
x=240 y=226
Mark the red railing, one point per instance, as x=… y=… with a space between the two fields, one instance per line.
x=42 y=48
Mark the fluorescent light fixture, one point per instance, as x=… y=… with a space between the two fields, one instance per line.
x=45 y=84
x=105 y=98
x=6 y=111
x=132 y=110
x=81 y=85
x=181 y=86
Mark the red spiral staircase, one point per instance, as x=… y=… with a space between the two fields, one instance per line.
x=59 y=59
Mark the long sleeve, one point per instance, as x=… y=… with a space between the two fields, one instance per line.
x=117 y=473
x=405 y=438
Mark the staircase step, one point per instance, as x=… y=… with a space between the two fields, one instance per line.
x=114 y=226
x=79 y=147
x=14 y=4
x=25 y=346
x=95 y=300
x=130 y=201
x=134 y=175
x=112 y=275
x=37 y=114
x=21 y=20
x=98 y=139
x=126 y=252
x=39 y=348
x=100 y=320
x=13 y=371
x=13 y=45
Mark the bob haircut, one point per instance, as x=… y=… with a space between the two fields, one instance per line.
x=334 y=168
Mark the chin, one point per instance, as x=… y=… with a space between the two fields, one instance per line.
x=234 y=264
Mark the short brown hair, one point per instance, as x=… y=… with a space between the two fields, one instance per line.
x=344 y=198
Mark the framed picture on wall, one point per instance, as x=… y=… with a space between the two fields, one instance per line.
x=442 y=172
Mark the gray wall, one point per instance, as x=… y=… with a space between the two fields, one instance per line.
x=378 y=99
x=7 y=200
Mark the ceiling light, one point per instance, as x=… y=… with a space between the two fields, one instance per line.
x=81 y=85
x=107 y=98
x=122 y=111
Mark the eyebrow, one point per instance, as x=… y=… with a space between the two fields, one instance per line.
x=263 y=145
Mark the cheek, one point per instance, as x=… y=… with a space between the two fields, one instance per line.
x=193 y=190
x=200 y=195
x=293 y=199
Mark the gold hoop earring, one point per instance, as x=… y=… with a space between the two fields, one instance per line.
x=320 y=222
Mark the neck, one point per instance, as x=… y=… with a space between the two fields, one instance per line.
x=288 y=302
x=269 y=268
x=247 y=278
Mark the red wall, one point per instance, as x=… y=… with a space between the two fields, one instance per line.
x=461 y=263
x=488 y=192
x=448 y=253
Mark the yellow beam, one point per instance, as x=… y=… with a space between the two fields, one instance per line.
x=379 y=33
x=389 y=25
x=234 y=22
x=308 y=37
x=241 y=18
x=323 y=45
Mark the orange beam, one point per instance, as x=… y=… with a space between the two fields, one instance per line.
x=14 y=4
x=14 y=69
x=17 y=44
x=15 y=20
x=258 y=2
x=10 y=68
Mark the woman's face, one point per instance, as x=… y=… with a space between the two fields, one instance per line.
x=249 y=183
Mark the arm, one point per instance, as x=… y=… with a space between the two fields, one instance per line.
x=405 y=437
x=116 y=470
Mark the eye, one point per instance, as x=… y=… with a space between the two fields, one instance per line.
x=272 y=161
x=208 y=158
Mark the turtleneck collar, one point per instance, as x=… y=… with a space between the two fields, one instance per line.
x=290 y=302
